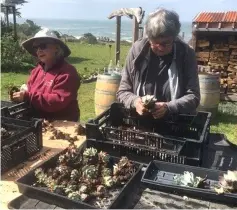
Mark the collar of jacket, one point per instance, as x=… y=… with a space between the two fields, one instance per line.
x=57 y=64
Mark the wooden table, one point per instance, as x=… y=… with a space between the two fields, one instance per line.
x=8 y=188
x=144 y=198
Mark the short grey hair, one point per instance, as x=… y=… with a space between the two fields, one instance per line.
x=162 y=23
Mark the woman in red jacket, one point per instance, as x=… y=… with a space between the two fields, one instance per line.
x=53 y=84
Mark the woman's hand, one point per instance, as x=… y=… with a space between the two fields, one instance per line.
x=18 y=96
x=159 y=110
x=141 y=110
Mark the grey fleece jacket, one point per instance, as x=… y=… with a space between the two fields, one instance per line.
x=137 y=61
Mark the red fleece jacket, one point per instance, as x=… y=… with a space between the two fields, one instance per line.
x=53 y=94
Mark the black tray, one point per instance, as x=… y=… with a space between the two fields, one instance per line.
x=159 y=176
x=24 y=202
x=171 y=135
x=26 y=142
x=25 y=182
x=190 y=155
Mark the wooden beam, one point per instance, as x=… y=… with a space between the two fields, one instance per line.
x=118 y=38
x=233 y=25
x=219 y=25
x=135 y=29
x=14 y=21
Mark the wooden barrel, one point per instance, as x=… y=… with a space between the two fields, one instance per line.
x=105 y=91
x=210 y=93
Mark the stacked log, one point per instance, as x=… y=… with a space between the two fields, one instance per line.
x=203 y=53
x=232 y=67
x=219 y=57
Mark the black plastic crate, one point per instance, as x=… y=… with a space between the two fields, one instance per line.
x=160 y=176
x=26 y=188
x=14 y=110
x=176 y=135
x=188 y=156
x=24 y=143
x=169 y=134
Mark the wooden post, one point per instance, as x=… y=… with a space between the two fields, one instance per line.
x=14 y=21
x=135 y=29
x=183 y=34
x=140 y=32
x=7 y=20
x=118 y=33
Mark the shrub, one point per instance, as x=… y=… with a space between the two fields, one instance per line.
x=13 y=57
x=89 y=39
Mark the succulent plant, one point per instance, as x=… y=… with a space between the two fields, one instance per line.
x=80 y=176
x=149 y=101
x=84 y=196
x=101 y=189
x=70 y=188
x=189 y=180
x=227 y=183
x=42 y=178
x=123 y=161
x=74 y=196
x=103 y=157
x=12 y=90
x=107 y=181
x=83 y=189
x=90 y=156
x=106 y=172
x=90 y=152
x=56 y=173
x=73 y=150
x=79 y=129
x=74 y=174
x=89 y=172
x=62 y=159
x=116 y=169
x=59 y=189
x=63 y=169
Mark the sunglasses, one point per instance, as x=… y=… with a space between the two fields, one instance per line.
x=41 y=46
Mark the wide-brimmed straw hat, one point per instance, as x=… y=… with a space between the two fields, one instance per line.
x=45 y=34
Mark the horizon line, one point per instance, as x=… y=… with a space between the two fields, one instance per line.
x=82 y=19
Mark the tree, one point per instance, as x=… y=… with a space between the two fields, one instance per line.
x=29 y=28
x=10 y=10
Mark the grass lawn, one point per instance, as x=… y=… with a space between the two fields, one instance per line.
x=86 y=58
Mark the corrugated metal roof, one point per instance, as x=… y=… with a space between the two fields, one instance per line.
x=216 y=17
x=230 y=17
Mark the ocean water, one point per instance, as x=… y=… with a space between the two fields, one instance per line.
x=99 y=28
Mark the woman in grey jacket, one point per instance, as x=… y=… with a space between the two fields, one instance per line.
x=161 y=65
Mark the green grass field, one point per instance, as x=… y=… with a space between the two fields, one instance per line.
x=87 y=58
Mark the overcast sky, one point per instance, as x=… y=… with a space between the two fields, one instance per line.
x=100 y=9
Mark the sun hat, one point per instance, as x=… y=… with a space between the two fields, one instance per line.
x=45 y=34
